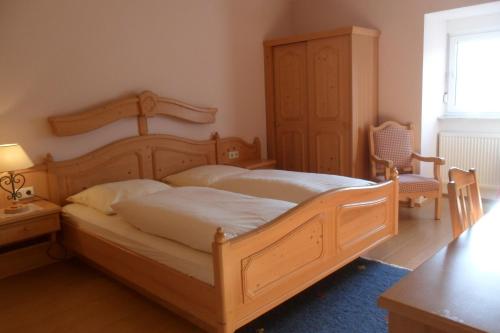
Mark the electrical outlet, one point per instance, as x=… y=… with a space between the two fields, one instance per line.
x=234 y=154
x=27 y=192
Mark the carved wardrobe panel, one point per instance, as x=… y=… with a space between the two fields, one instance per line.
x=321 y=92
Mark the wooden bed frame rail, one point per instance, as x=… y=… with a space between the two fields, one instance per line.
x=186 y=296
x=261 y=269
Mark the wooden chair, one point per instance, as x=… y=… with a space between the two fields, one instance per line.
x=391 y=145
x=465 y=200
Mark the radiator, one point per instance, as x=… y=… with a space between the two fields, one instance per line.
x=473 y=150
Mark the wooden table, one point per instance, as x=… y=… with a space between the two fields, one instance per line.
x=457 y=290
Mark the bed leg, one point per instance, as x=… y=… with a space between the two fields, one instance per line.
x=221 y=278
x=395 y=179
x=437 y=208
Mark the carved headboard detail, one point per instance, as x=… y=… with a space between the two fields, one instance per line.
x=246 y=151
x=142 y=106
x=146 y=157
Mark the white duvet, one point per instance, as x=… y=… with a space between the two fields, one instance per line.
x=285 y=185
x=191 y=215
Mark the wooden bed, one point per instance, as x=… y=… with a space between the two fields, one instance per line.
x=253 y=272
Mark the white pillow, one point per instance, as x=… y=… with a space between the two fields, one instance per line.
x=102 y=196
x=204 y=175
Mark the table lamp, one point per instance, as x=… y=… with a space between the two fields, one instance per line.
x=12 y=158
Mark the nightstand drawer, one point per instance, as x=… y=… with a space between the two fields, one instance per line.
x=14 y=232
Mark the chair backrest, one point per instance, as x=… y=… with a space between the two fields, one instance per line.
x=465 y=200
x=392 y=141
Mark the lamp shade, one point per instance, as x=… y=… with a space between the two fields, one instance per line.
x=13 y=157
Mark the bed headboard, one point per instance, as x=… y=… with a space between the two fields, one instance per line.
x=146 y=157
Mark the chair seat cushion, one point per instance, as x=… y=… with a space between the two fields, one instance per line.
x=410 y=183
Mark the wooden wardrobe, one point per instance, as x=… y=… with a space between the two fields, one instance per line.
x=321 y=96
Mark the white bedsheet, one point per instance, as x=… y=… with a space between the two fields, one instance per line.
x=182 y=258
x=285 y=185
x=191 y=215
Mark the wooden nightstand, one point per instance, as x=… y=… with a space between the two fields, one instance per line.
x=257 y=164
x=41 y=218
x=26 y=238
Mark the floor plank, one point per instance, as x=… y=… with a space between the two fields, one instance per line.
x=73 y=297
x=420 y=236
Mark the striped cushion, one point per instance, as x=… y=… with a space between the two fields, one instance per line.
x=394 y=144
x=410 y=183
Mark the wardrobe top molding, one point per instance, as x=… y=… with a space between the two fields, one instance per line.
x=144 y=105
x=353 y=30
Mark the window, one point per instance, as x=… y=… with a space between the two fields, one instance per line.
x=474 y=75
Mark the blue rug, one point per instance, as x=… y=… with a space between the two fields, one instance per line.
x=345 y=301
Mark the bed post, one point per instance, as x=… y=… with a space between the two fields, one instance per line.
x=222 y=290
x=395 y=178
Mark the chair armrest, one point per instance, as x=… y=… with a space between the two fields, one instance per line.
x=438 y=161
x=385 y=163
x=388 y=166
x=435 y=160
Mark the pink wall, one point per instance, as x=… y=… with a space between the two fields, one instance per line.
x=401 y=43
x=63 y=56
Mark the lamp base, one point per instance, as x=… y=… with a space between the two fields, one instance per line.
x=15 y=209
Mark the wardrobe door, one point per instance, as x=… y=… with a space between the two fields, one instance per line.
x=290 y=90
x=328 y=67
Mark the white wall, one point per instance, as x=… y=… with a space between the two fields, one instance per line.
x=482 y=18
x=433 y=85
x=476 y=23
x=438 y=26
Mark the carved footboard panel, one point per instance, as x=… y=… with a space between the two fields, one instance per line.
x=260 y=270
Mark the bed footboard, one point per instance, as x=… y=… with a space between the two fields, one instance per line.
x=259 y=270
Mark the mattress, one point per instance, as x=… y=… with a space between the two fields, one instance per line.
x=282 y=185
x=182 y=258
x=289 y=186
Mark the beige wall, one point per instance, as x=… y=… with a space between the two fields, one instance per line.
x=61 y=56
x=401 y=43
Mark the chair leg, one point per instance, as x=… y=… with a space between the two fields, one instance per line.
x=437 y=208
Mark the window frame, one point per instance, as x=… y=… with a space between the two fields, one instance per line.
x=451 y=110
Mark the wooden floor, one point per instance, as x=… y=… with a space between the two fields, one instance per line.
x=420 y=236
x=73 y=297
